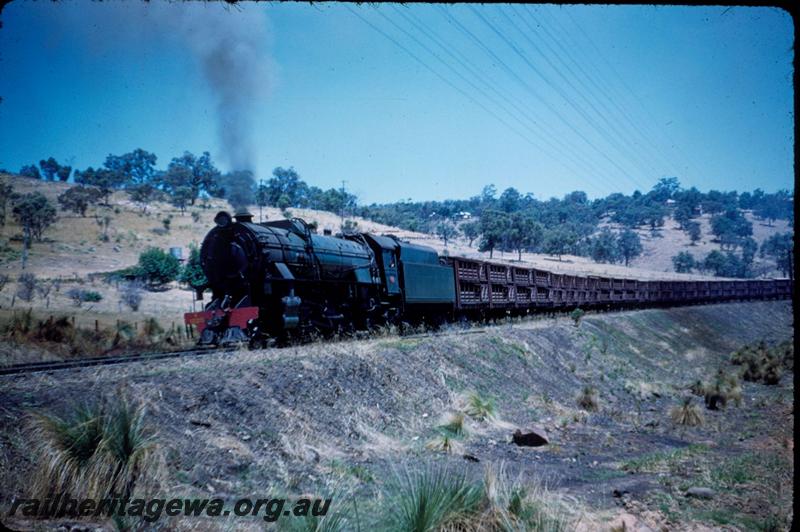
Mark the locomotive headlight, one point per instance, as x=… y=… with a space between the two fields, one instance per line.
x=222 y=219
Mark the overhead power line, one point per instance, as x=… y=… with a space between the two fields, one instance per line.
x=450 y=83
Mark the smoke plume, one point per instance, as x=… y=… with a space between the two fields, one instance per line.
x=230 y=48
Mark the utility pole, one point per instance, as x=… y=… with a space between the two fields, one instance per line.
x=259 y=198
x=343 y=203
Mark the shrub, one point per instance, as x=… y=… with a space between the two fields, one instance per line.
x=26 y=286
x=151 y=329
x=773 y=372
x=93 y=452
x=588 y=399
x=90 y=296
x=131 y=295
x=687 y=414
x=698 y=387
x=576 y=316
x=80 y=296
x=157 y=267
x=192 y=273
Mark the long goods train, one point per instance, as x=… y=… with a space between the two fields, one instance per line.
x=277 y=279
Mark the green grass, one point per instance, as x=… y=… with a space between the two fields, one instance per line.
x=431 y=499
x=480 y=408
x=93 y=451
x=658 y=461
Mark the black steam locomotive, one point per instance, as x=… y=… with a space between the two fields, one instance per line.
x=273 y=280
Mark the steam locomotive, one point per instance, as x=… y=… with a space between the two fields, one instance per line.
x=273 y=280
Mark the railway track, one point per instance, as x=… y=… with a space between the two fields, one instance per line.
x=38 y=367
x=77 y=363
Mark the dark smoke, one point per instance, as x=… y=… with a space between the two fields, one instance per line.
x=238 y=187
x=231 y=49
x=229 y=44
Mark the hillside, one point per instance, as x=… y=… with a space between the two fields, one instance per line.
x=73 y=249
x=347 y=418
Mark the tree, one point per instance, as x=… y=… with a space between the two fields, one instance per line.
x=494 y=228
x=6 y=195
x=629 y=244
x=604 y=247
x=715 y=263
x=749 y=249
x=774 y=207
x=524 y=233
x=779 y=247
x=104 y=179
x=143 y=194
x=50 y=168
x=135 y=168
x=665 y=189
x=471 y=231
x=683 y=214
x=693 y=228
x=558 y=241
x=731 y=228
x=509 y=200
x=30 y=171
x=286 y=189
x=684 y=262
x=181 y=198
x=446 y=231
x=724 y=264
x=34 y=213
x=78 y=199
x=197 y=173
x=157 y=267
x=63 y=173
x=653 y=216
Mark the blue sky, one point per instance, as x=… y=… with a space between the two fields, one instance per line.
x=419 y=101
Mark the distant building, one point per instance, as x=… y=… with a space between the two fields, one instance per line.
x=463 y=215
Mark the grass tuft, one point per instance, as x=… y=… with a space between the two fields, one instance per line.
x=454 y=425
x=588 y=399
x=688 y=414
x=432 y=499
x=480 y=408
x=92 y=452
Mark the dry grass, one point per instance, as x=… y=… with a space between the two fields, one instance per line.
x=688 y=414
x=35 y=338
x=588 y=399
x=440 y=499
x=454 y=425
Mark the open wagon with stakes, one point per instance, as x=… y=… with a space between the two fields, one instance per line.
x=276 y=280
